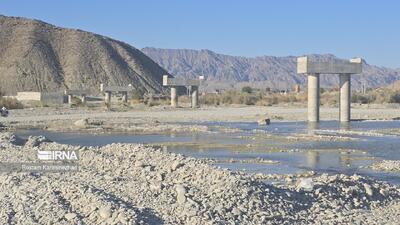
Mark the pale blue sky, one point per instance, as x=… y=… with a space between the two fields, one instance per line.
x=365 y=28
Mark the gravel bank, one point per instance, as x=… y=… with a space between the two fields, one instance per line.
x=387 y=165
x=136 y=184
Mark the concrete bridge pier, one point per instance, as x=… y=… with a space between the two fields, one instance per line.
x=108 y=90
x=313 y=97
x=81 y=93
x=312 y=127
x=314 y=68
x=107 y=97
x=124 y=97
x=345 y=95
x=195 y=96
x=174 y=97
x=83 y=99
x=345 y=125
x=193 y=85
x=70 y=100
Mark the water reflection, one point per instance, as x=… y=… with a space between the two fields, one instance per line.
x=345 y=159
x=345 y=126
x=312 y=127
x=312 y=158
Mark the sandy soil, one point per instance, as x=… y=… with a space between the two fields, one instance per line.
x=136 y=184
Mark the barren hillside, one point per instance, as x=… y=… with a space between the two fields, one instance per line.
x=36 y=56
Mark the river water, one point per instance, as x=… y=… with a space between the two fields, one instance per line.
x=362 y=143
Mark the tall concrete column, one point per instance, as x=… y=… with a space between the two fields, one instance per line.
x=344 y=101
x=83 y=99
x=313 y=97
x=195 y=96
x=125 y=96
x=312 y=127
x=174 y=97
x=70 y=100
x=107 y=97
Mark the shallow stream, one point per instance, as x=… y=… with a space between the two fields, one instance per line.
x=280 y=148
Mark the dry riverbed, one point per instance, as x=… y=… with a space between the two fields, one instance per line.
x=136 y=184
x=59 y=118
x=164 y=119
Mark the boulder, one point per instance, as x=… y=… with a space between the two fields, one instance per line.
x=180 y=193
x=305 y=184
x=105 y=212
x=83 y=123
x=368 y=190
x=175 y=165
x=264 y=122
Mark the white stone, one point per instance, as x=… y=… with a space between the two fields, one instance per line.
x=368 y=190
x=176 y=165
x=306 y=184
x=70 y=216
x=180 y=192
x=105 y=212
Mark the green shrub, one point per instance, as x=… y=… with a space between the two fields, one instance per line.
x=136 y=94
x=247 y=89
x=395 y=98
x=328 y=97
x=362 y=99
x=250 y=99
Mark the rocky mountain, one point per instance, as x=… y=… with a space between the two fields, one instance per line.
x=36 y=56
x=224 y=71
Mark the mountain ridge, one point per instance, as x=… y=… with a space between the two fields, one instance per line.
x=261 y=71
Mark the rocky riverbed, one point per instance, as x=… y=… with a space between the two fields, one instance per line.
x=387 y=165
x=137 y=184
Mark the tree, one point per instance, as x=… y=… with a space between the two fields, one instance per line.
x=247 y=89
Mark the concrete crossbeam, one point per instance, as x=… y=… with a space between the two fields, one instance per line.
x=118 y=88
x=76 y=92
x=304 y=65
x=169 y=81
x=128 y=88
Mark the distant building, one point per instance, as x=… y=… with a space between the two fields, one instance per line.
x=51 y=98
